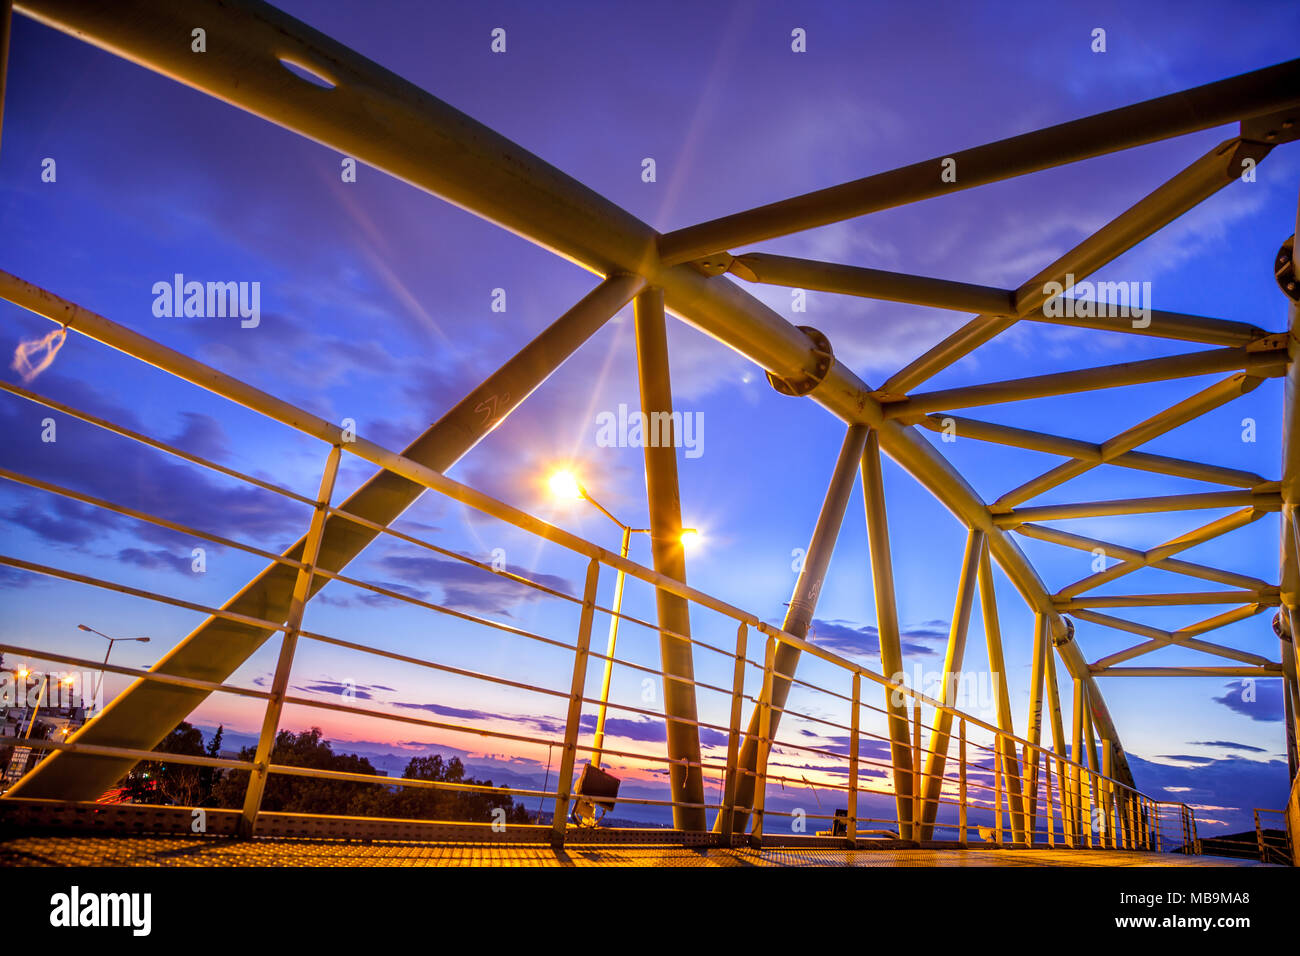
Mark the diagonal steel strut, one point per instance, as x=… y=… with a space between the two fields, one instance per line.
x=803 y=603
x=147 y=711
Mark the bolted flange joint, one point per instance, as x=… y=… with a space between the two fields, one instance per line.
x=1284 y=270
x=802 y=386
x=1067 y=635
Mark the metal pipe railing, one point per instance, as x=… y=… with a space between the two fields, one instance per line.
x=963 y=788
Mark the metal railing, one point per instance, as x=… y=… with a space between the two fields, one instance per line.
x=1268 y=844
x=1006 y=788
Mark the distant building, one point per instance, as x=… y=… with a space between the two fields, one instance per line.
x=50 y=723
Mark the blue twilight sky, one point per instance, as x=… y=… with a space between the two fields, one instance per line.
x=376 y=305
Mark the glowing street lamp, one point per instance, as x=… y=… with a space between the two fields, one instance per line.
x=566 y=487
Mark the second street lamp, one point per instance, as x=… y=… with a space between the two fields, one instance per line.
x=566 y=486
x=111 y=642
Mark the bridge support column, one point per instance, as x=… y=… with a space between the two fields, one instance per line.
x=799 y=615
x=941 y=732
x=998 y=668
x=1096 y=791
x=891 y=654
x=686 y=778
x=1059 y=745
x=1284 y=625
x=1082 y=822
x=1290 y=689
x=1113 y=836
x=1035 y=722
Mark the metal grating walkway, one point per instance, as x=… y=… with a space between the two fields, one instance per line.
x=96 y=850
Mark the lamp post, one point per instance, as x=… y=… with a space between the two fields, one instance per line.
x=111 y=641
x=565 y=486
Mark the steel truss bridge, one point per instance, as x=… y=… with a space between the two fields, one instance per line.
x=944 y=772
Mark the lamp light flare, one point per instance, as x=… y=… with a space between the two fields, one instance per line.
x=565 y=486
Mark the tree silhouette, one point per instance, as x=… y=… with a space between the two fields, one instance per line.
x=160 y=781
x=303 y=794
x=163 y=782
x=449 y=804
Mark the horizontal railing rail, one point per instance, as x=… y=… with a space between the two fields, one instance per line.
x=986 y=782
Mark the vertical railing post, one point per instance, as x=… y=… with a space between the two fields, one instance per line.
x=564 y=783
x=764 y=741
x=997 y=794
x=1107 y=770
x=918 y=798
x=1108 y=834
x=284 y=663
x=1051 y=814
x=852 y=829
x=1082 y=830
x=1030 y=762
x=1090 y=797
x=1067 y=805
x=961 y=780
x=733 y=736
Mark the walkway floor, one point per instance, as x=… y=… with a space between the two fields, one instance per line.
x=96 y=850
